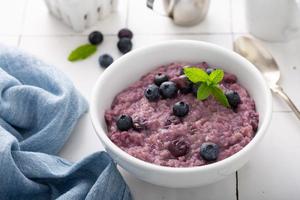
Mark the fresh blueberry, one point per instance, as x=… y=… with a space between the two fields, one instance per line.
x=178 y=147
x=160 y=78
x=195 y=87
x=95 y=37
x=125 y=33
x=209 y=70
x=233 y=99
x=209 y=151
x=124 y=122
x=180 y=109
x=124 y=45
x=187 y=89
x=183 y=84
x=168 y=89
x=152 y=92
x=105 y=60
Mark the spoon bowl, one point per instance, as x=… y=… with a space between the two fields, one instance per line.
x=253 y=51
x=256 y=53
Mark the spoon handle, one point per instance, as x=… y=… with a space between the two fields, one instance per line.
x=278 y=90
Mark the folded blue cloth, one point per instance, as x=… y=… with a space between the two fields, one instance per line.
x=39 y=107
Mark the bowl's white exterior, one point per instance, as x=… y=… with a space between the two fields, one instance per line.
x=133 y=65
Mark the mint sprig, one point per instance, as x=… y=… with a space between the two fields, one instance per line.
x=218 y=94
x=209 y=84
x=203 y=92
x=82 y=52
x=195 y=74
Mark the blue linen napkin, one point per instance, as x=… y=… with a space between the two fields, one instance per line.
x=39 y=107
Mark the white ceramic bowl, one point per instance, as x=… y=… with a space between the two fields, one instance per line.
x=130 y=67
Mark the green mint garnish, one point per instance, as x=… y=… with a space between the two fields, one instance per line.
x=219 y=96
x=209 y=84
x=82 y=52
x=195 y=74
x=203 y=92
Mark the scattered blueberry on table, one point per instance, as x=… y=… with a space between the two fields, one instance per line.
x=125 y=33
x=124 y=45
x=95 y=37
x=105 y=60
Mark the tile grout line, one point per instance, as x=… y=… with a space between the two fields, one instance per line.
x=139 y=34
x=232 y=40
x=237 y=185
x=282 y=111
x=127 y=13
x=23 y=22
x=19 y=40
x=114 y=34
x=231 y=20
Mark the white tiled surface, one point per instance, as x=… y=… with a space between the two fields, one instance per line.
x=223 y=40
x=272 y=173
x=14 y=11
x=9 y=40
x=238 y=16
x=222 y=190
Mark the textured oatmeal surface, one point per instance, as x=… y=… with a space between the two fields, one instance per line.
x=207 y=121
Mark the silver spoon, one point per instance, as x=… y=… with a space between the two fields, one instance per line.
x=253 y=51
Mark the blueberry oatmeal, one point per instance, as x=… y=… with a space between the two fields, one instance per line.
x=167 y=118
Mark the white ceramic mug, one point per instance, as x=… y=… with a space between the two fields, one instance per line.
x=273 y=20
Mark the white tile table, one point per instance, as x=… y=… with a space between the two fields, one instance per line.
x=273 y=172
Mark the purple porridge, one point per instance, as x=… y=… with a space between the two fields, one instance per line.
x=160 y=137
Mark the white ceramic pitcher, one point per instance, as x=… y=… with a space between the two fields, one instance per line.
x=183 y=12
x=273 y=20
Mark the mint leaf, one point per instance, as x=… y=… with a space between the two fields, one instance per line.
x=82 y=52
x=203 y=91
x=209 y=83
x=216 y=76
x=219 y=96
x=195 y=74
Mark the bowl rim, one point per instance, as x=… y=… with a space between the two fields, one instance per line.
x=107 y=143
